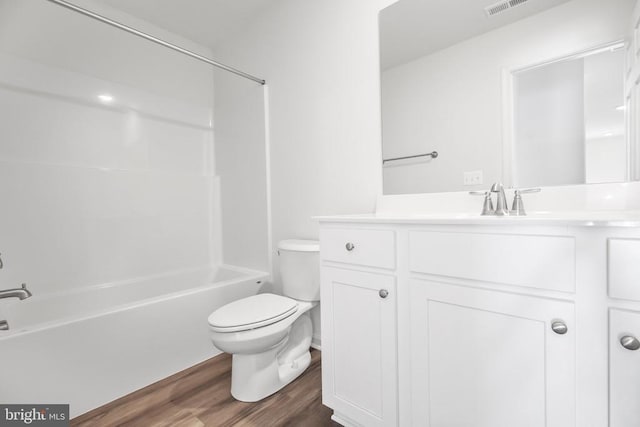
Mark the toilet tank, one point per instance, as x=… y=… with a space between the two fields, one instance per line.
x=300 y=269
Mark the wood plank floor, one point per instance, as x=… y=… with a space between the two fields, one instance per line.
x=199 y=396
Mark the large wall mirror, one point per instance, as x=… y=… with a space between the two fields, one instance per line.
x=527 y=92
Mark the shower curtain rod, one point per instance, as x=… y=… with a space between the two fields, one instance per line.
x=151 y=38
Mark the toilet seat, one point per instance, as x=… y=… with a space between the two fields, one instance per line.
x=253 y=312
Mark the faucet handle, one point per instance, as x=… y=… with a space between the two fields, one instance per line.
x=487 y=206
x=528 y=190
x=517 y=208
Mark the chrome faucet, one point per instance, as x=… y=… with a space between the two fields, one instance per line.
x=20 y=293
x=501 y=208
x=517 y=208
x=501 y=201
x=487 y=205
x=501 y=204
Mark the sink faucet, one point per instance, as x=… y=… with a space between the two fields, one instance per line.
x=487 y=205
x=21 y=293
x=517 y=208
x=501 y=204
x=501 y=208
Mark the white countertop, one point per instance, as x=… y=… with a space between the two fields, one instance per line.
x=578 y=219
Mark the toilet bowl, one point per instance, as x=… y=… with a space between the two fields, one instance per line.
x=270 y=335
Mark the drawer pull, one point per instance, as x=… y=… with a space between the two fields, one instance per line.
x=383 y=293
x=559 y=327
x=630 y=343
x=350 y=246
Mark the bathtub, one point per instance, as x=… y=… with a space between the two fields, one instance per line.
x=91 y=346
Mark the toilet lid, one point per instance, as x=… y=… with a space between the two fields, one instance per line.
x=252 y=312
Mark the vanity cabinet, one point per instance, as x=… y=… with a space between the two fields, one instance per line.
x=624 y=368
x=359 y=358
x=484 y=358
x=488 y=344
x=487 y=323
x=623 y=269
x=359 y=351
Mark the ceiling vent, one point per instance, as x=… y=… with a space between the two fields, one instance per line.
x=502 y=6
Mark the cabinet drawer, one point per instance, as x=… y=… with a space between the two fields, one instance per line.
x=542 y=262
x=624 y=269
x=375 y=248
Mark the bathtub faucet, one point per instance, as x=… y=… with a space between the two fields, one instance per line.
x=21 y=293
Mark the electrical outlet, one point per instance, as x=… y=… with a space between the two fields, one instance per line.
x=473 y=178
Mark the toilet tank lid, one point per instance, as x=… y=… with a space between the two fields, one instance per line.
x=299 y=245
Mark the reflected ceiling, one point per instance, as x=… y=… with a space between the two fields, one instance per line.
x=410 y=29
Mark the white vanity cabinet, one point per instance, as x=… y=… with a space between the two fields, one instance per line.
x=486 y=323
x=359 y=357
x=492 y=327
x=486 y=358
x=623 y=271
x=624 y=368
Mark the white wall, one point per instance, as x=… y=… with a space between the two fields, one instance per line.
x=92 y=192
x=451 y=101
x=241 y=163
x=320 y=60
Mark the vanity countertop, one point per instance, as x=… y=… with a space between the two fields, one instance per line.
x=577 y=219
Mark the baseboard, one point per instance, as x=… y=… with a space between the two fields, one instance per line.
x=316 y=342
x=343 y=421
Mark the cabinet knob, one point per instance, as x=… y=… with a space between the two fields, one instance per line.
x=629 y=342
x=383 y=293
x=350 y=246
x=559 y=327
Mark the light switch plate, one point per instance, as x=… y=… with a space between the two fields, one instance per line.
x=473 y=178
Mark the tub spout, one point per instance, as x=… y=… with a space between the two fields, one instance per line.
x=21 y=293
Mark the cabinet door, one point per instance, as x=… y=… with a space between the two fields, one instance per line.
x=483 y=358
x=624 y=369
x=359 y=346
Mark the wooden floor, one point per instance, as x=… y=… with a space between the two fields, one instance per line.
x=199 y=396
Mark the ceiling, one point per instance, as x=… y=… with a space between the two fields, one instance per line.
x=207 y=22
x=410 y=29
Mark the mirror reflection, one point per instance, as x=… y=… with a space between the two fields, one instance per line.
x=473 y=81
x=569 y=121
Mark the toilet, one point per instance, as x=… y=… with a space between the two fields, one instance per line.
x=269 y=335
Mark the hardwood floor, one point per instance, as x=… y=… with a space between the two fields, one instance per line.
x=199 y=396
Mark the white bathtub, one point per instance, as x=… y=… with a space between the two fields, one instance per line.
x=89 y=347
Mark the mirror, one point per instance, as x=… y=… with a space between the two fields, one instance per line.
x=568 y=121
x=473 y=81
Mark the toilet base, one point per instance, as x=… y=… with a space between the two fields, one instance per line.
x=256 y=376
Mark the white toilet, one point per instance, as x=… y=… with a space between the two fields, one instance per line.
x=269 y=335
